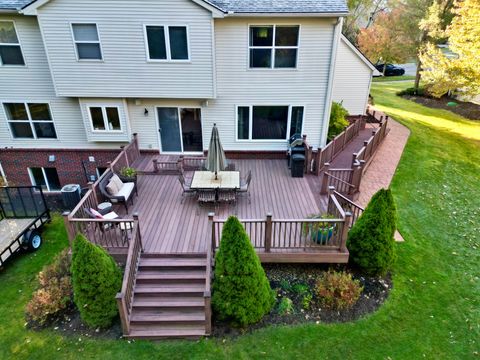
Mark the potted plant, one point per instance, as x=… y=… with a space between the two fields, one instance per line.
x=322 y=231
x=128 y=174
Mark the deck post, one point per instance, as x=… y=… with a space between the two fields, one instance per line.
x=318 y=166
x=324 y=187
x=180 y=164
x=155 y=165
x=122 y=311
x=136 y=222
x=68 y=227
x=354 y=158
x=268 y=233
x=211 y=225
x=345 y=229
x=94 y=193
x=344 y=137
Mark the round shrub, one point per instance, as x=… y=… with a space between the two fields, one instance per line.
x=241 y=291
x=96 y=280
x=370 y=241
x=338 y=290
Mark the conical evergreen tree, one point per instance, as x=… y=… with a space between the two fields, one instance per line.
x=96 y=280
x=370 y=241
x=241 y=291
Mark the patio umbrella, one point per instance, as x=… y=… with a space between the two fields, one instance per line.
x=216 y=160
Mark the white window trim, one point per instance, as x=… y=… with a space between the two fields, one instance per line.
x=273 y=48
x=75 y=42
x=3 y=176
x=167 y=43
x=179 y=112
x=105 y=118
x=250 y=123
x=14 y=44
x=32 y=179
x=30 y=121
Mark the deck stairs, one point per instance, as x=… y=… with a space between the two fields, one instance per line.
x=168 y=299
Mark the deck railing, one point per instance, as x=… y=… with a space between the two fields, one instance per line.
x=334 y=147
x=274 y=235
x=125 y=296
x=347 y=205
x=371 y=145
x=107 y=233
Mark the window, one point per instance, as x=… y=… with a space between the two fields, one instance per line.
x=10 y=49
x=105 y=118
x=46 y=178
x=30 y=120
x=273 y=46
x=87 y=42
x=167 y=43
x=268 y=122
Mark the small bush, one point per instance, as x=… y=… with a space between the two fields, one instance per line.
x=285 y=306
x=307 y=301
x=300 y=289
x=241 y=291
x=54 y=293
x=413 y=92
x=370 y=241
x=338 y=290
x=338 y=120
x=96 y=280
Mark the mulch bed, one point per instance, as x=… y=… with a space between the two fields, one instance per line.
x=68 y=323
x=284 y=277
x=466 y=109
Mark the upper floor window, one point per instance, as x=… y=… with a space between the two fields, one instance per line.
x=167 y=43
x=269 y=122
x=105 y=118
x=273 y=46
x=10 y=49
x=30 y=120
x=87 y=41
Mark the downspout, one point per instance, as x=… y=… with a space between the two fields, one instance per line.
x=337 y=30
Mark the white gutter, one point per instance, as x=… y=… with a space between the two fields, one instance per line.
x=8 y=11
x=269 y=14
x=337 y=28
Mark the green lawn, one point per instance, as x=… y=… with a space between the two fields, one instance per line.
x=433 y=311
x=393 y=78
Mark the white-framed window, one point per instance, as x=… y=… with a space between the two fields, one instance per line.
x=273 y=46
x=269 y=122
x=87 y=41
x=104 y=118
x=167 y=42
x=45 y=177
x=10 y=48
x=30 y=120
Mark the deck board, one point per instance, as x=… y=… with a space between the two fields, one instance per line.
x=169 y=226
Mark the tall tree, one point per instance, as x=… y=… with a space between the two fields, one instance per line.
x=383 y=41
x=460 y=73
x=362 y=15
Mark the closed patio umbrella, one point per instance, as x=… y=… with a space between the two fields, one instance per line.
x=216 y=160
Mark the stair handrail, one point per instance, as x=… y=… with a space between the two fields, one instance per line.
x=125 y=296
x=207 y=295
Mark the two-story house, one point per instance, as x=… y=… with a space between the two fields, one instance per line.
x=78 y=78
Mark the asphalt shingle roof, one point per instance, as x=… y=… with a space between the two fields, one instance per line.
x=244 y=6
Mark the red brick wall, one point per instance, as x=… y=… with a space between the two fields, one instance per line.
x=68 y=163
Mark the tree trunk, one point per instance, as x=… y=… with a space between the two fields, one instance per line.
x=384 y=68
x=417 y=75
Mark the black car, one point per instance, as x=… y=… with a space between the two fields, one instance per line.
x=391 y=70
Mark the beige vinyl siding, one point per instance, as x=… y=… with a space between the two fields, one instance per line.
x=124 y=70
x=238 y=85
x=34 y=83
x=351 y=81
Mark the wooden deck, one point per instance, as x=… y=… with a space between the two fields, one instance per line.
x=169 y=226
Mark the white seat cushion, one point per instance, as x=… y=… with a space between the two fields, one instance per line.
x=112 y=188
x=117 y=181
x=126 y=190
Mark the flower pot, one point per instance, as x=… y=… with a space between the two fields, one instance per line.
x=127 y=179
x=322 y=235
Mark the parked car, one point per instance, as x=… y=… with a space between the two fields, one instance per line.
x=391 y=70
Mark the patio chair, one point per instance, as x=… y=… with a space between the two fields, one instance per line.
x=230 y=166
x=227 y=195
x=245 y=185
x=186 y=189
x=206 y=195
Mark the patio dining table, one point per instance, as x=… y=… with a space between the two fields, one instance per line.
x=225 y=180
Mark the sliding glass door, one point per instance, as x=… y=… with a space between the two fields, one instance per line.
x=180 y=129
